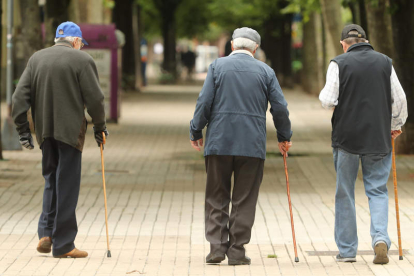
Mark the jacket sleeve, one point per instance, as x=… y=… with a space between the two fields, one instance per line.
x=92 y=95
x=203 y=108
x=22 y=100
x=279 y=111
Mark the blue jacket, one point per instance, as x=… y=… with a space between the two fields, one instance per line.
x=233 y=105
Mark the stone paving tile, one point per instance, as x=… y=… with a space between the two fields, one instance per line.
x=155 y=187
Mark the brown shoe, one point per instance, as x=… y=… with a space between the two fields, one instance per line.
x=381 y=253
x=75 y=253
x=45 y=245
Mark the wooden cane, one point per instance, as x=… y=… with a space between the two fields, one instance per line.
x=397 y=210
x=290 y=208
x=104 y=190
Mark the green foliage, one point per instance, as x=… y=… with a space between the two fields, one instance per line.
x=166 y=78
x=296 y=66
x=207 y=19
x=150 y=17
x=304 y=7
x=192 y=18
x=110 y=4
x=212 y=33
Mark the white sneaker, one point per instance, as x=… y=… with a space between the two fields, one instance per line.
x=339 y=258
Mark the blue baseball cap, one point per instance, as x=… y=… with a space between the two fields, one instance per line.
x=69 y=29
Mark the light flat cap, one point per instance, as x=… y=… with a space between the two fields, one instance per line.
x=246 y=32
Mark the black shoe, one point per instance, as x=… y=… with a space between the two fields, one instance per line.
x=244 y=261
x=215 y=258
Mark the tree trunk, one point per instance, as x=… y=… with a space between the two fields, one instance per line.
x=136 y=17
x=313 y=72
x=379 y=24
x=95 y=11
x=270 y=42
x=31 y=28
x=331 y=13
x=56 y=12
x=122 y=17
x=167 y=9
x=363 y=16
x=169 y=63
x=286 y=50
x=403 y=27
x=83 y=10
x=276 y=42
x=356 y=13
x=74 y=11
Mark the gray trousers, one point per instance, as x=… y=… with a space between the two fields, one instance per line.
x=226 y=233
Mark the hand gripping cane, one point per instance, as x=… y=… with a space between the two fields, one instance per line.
x=397 y=210
x=104 y=190
x=290 y=208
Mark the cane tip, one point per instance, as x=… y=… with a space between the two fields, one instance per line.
x=401 y=258
x=296 y=259
x=109 y=254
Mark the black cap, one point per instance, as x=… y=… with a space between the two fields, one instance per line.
x=353 y=27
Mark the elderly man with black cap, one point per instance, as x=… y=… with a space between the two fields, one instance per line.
x=370 y=109
x=57 y=84
x=233 y=104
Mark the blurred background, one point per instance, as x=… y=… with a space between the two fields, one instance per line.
x=173 y=41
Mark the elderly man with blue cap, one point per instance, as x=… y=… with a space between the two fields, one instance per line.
x=233 y=105
x=57 y=84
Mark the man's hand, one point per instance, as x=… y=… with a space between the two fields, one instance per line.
x=197 y=144
x=99 y=136
x=284 y=147
x=395 y=133
x=26 y=140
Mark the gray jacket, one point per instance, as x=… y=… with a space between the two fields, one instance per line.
x=57 y=84
x=233 y=105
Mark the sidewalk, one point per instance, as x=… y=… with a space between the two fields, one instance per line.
x=155 y=185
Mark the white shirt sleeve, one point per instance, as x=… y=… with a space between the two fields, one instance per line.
x=399 y=103
x=330 y=93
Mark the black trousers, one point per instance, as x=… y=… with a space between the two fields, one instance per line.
x=229 y=233
x=61 y=168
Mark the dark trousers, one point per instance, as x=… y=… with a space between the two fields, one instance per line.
x=228 y=234
x=61 y=168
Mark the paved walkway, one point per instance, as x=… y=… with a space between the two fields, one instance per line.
x=155 y=184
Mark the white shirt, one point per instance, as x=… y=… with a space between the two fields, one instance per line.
x=241 y=52
x=330 y=94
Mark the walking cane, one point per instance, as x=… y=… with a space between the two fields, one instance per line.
x=290 y=208
x=397 y=210
x=104 y=190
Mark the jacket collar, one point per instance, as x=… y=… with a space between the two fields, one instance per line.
x=359 y=45
x=64 y=43
x=241 y=52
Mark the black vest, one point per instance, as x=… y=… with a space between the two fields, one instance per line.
x=361 y=121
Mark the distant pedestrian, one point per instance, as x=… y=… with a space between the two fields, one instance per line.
x=233 y=105
x=370 y=108
x=144 y=60
x=188 y=59
x=57 y=84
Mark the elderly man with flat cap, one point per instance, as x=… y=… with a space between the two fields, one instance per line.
x=370 y=109
x=57 y=84
x=233 y=105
